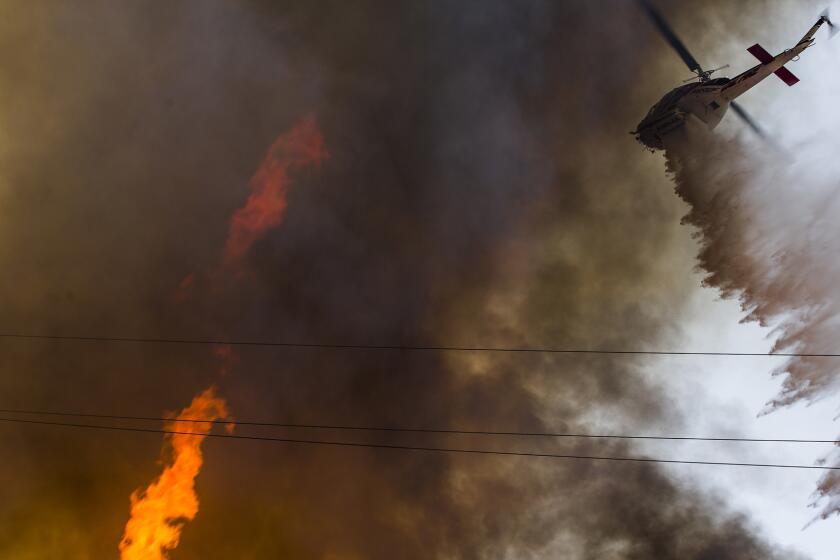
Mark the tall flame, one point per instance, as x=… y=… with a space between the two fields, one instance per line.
x=300 y=147
x=160 y=511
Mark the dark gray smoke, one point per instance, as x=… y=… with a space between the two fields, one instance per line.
x=482 y=189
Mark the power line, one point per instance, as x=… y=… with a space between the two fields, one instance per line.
x=425 y=449
x=408 y=347
x=450 y=431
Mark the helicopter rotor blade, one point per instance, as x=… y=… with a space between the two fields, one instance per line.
x=670 y=36
x=749 y=120
x=757 y=129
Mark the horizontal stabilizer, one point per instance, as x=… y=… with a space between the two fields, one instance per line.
x=786 y=76
x=764 y=57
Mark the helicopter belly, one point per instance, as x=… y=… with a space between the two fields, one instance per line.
x=714 y=117
x=708 y=107
x=712 y=114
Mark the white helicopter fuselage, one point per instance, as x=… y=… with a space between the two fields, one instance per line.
x=705 y=102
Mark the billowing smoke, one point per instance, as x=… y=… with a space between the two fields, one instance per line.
x=481 y=189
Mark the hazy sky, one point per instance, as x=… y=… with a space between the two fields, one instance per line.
x=481 y=189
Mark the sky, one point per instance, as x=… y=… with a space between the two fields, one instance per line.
x=406 y=173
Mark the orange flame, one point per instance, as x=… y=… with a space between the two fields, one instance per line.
x=300 y=147
x=159 y=512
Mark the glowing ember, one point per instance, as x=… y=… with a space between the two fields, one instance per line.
x=159 y=512
x=185 y=288
x=300 y=147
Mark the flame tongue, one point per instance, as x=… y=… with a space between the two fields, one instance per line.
x=159 y=512
x=302 y=146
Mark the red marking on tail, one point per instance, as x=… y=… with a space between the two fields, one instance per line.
x=764 y=57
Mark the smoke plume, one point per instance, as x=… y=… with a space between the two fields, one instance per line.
x=481 y=190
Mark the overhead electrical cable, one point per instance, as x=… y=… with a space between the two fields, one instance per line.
x=423 y=448
x=407 y=347
x=441 y=431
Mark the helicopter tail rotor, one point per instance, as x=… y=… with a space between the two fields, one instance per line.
x=832 y=27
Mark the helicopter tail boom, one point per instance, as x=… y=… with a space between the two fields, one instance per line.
x=773 y=64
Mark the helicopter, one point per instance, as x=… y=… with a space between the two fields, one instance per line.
x=707 y=99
